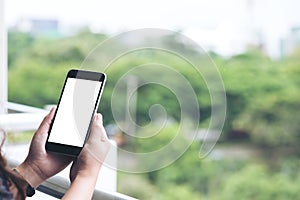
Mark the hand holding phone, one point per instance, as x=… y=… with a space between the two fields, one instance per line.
x=78 y=102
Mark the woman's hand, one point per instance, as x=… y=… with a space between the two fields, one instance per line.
x=39 y=164
x=94 y=152
x=85 y=168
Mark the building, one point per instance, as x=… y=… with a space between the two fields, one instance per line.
x=39 y=27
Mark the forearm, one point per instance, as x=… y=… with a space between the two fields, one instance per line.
x=81 y=188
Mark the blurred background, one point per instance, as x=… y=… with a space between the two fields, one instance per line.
x=255 y=45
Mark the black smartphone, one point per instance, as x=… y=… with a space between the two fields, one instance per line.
x=75 y=112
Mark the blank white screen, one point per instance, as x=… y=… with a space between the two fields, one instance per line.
x=74 y=112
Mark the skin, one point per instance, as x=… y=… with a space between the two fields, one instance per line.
x=40 y=165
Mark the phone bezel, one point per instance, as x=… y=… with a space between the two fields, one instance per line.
x=78 y=74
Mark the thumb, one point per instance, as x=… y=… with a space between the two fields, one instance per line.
x=45 y=125
x=42 y=132
x=98 y=131
x=98 y=144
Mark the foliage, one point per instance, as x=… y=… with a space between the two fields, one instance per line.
x=21 y=41
x=262 y=103
x=37 y=69
x=45 y=89
x=262 y=95
x=254 y=182
x=177 y=192
x=14 y=138
x=262 y=99
x=136 y=186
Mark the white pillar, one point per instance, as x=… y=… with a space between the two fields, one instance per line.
x=3 y=59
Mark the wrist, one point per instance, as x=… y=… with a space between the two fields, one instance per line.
x=29 y=175
x=29 y=190
x=91 y=174
x=22 y=182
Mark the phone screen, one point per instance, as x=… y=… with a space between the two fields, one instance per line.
x=74 y=112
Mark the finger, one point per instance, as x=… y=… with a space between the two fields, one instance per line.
x=98 y=130
x=45 y=125
x=47 y=120
x=49 y=117
x=98 y=118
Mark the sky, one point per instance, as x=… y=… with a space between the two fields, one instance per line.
x=222 y=25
